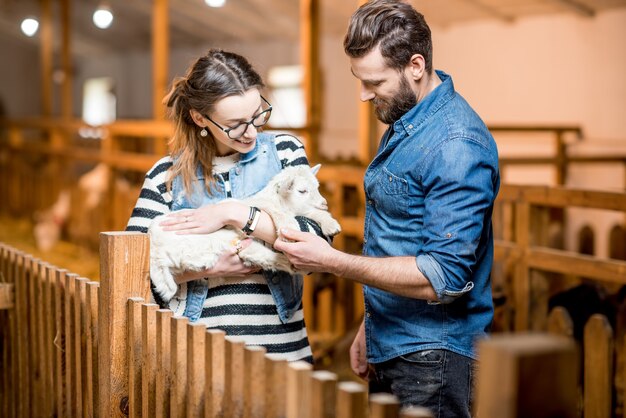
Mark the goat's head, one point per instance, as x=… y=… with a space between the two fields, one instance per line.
x=297 y=188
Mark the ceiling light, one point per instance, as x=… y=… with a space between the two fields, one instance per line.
x=102 y=17
x=215 y=3
x=29 y=26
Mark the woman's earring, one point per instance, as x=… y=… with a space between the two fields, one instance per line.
x=204 y=133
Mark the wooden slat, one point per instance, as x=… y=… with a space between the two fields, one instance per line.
x=233 y=383
x=60 y=386
x=384 y=405
x=351 y=400
x=521 y=274
x=49 y=335
x=7 y=296
x=254 y=380
x=598 y=342
x=215 y=357
x=37 y=336
x=21 y=292
x=298 y=389
x=91 y=353
x=163 y=375
x=81 y=343
x=323 y=394
x=70 y=344
x=8 y=272
x=178 y=352
x=124 y=260
x=7 y=397
x=276 y=378
x=196 y=376
x=134 y=356
x=148 y=359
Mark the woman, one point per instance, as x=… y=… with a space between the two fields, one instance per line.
x=218 y=153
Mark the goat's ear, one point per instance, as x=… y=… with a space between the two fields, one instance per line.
x=315 y=169
x=283 y=187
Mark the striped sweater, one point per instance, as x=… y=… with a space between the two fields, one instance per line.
x=241 y=306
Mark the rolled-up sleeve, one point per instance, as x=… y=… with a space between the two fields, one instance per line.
x=460 y=186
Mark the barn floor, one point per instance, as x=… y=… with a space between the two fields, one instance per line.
x=18 y=233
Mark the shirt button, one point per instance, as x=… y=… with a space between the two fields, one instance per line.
x=275 y=280
x=411 y=126
x=390 y=179
x=369 y=315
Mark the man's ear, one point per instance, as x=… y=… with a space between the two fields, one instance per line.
x=416 y=67
x=197 y=118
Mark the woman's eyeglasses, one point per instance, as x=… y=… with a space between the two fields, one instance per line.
x=238 y=130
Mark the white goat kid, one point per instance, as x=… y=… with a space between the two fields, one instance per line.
x=290 y=193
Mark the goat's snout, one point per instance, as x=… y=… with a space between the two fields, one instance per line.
x=323 y=205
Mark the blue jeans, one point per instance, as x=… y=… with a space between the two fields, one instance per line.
x=439 y=380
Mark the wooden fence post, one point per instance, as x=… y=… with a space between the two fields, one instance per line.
x=123 y=274
x=527 y=375
x=598 y=341
x=351 y=400
x=416 y=412
x=298 y=387
x=384 y=405
x=323 y=394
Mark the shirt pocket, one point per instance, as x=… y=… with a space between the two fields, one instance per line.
x=394 y=197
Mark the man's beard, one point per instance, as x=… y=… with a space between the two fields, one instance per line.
x=390 y=110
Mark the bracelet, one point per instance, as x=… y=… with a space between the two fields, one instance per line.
x=253 y=220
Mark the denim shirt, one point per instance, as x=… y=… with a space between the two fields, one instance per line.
x=253 y=171
x=429 y=194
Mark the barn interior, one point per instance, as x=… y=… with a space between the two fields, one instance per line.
x=82 y=120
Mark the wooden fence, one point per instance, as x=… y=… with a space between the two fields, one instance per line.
x=71 y=347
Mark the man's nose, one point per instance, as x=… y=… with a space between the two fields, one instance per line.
x=366 y=94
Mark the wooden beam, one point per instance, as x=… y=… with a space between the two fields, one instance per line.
x=559 y=261
x=46 y=51
x=66 y=60
x=309 y=57
x=160 y=55
x=7 y=296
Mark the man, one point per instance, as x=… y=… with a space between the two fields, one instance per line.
x=428 y=243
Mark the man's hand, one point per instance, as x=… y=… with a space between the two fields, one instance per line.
x=306 y=251
x=358 y=354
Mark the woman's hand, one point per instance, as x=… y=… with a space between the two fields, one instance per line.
x=203 y=220
x=228 y=265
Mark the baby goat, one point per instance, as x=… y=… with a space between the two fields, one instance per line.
x=290 y=193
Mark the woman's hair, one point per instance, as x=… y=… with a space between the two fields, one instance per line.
x=396 y=26
x=214 y=76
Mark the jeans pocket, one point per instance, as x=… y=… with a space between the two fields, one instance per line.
x=424 y=357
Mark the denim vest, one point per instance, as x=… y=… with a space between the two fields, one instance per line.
x=253 y=171
x=430 y=193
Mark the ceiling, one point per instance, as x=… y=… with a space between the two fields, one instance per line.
x=193 y=23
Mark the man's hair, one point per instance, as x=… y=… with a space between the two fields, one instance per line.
x=396 y=26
